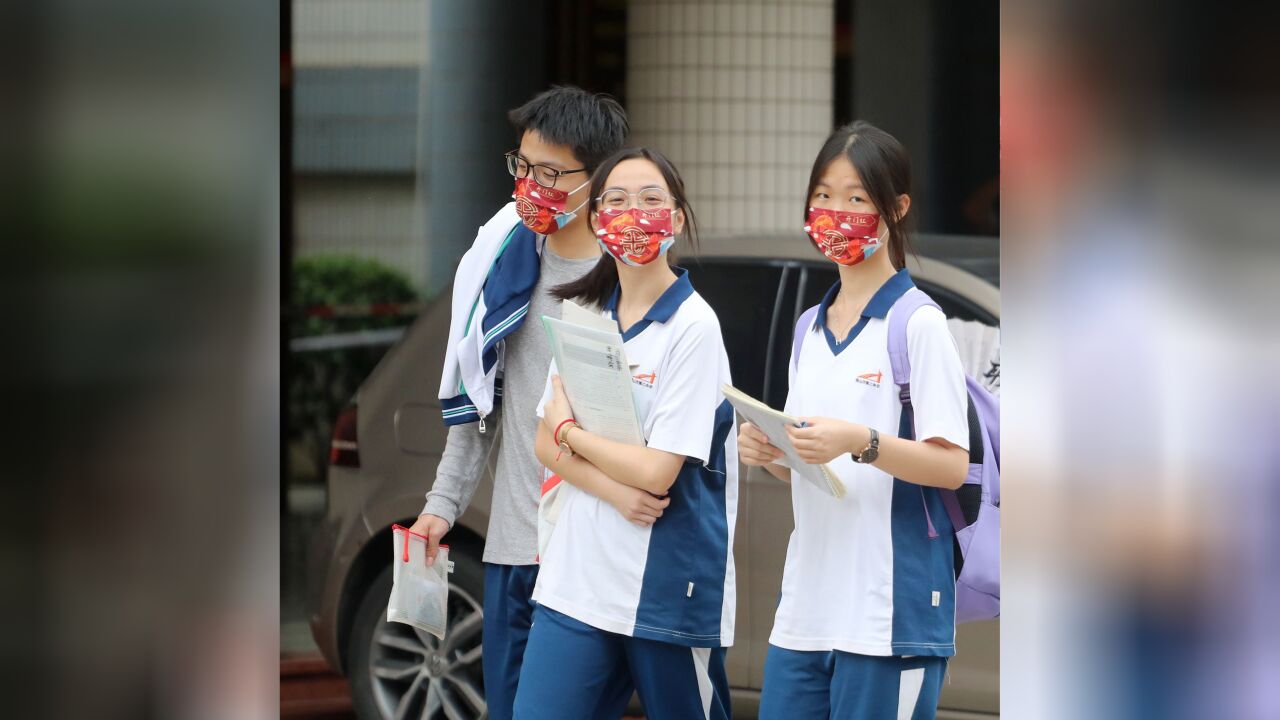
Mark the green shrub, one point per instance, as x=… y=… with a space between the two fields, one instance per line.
x=321 y=383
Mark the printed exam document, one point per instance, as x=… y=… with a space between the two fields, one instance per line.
x=774 y=425
x=596 y=376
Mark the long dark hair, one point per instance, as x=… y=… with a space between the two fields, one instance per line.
x=597 y=285
x=885 y=169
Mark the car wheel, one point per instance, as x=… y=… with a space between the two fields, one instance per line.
x=398 y=671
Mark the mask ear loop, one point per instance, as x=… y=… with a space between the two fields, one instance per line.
x=880 y=242
x=584 y=202
x=568 y=216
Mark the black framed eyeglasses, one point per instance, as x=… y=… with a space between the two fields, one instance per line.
x=542 y=174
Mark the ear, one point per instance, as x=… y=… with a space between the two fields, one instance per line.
x=904 y=204
x=677 y=221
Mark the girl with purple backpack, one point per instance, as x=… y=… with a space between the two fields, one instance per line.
x=866 y=618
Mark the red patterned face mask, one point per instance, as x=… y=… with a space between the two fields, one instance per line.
x=846 y=237
x=634 y=236
x=542 y=209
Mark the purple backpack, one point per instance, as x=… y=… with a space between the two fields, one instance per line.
x=978 y=543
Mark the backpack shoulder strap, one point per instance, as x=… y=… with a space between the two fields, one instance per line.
x=906 y=306
x=803 y=325
x=900 y=361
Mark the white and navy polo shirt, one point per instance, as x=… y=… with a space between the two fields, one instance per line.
x=862 y=574
x=672 y=581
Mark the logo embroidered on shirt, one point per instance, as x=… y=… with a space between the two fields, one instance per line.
x=872 y=378
x=645 y=379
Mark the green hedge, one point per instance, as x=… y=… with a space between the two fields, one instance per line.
x=345 y=280
x=322 y=383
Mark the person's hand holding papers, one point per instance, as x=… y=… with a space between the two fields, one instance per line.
x=821 y=440
x=638 y=506
x=754 y=448
x=766 y=435
x=817 y=441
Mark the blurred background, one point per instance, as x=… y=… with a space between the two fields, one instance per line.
x=398 y=126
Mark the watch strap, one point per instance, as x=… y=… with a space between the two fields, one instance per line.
x=873 y=445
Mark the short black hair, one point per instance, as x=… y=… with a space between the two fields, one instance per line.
x=592 y=125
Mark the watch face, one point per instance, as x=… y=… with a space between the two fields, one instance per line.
x=869 y=455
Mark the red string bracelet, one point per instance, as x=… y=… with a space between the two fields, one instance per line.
x=555 y=436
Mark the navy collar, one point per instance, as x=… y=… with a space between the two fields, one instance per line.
x=878 y=307
x=662 y=309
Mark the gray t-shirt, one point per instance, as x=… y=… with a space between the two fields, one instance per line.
x=513 y=517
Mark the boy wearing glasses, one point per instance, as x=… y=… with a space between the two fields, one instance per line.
x=496 y=361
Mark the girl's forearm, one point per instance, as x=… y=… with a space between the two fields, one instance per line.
x=641 y=467
x=573 y=469
x=924 y=463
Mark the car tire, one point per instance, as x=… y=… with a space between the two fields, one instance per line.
x=398 y=671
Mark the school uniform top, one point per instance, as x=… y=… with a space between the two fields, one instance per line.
x=862 y=574
x=672 y=581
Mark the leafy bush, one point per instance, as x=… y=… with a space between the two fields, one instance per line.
x=321 y=383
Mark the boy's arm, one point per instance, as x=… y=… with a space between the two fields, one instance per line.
x=461 y=467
